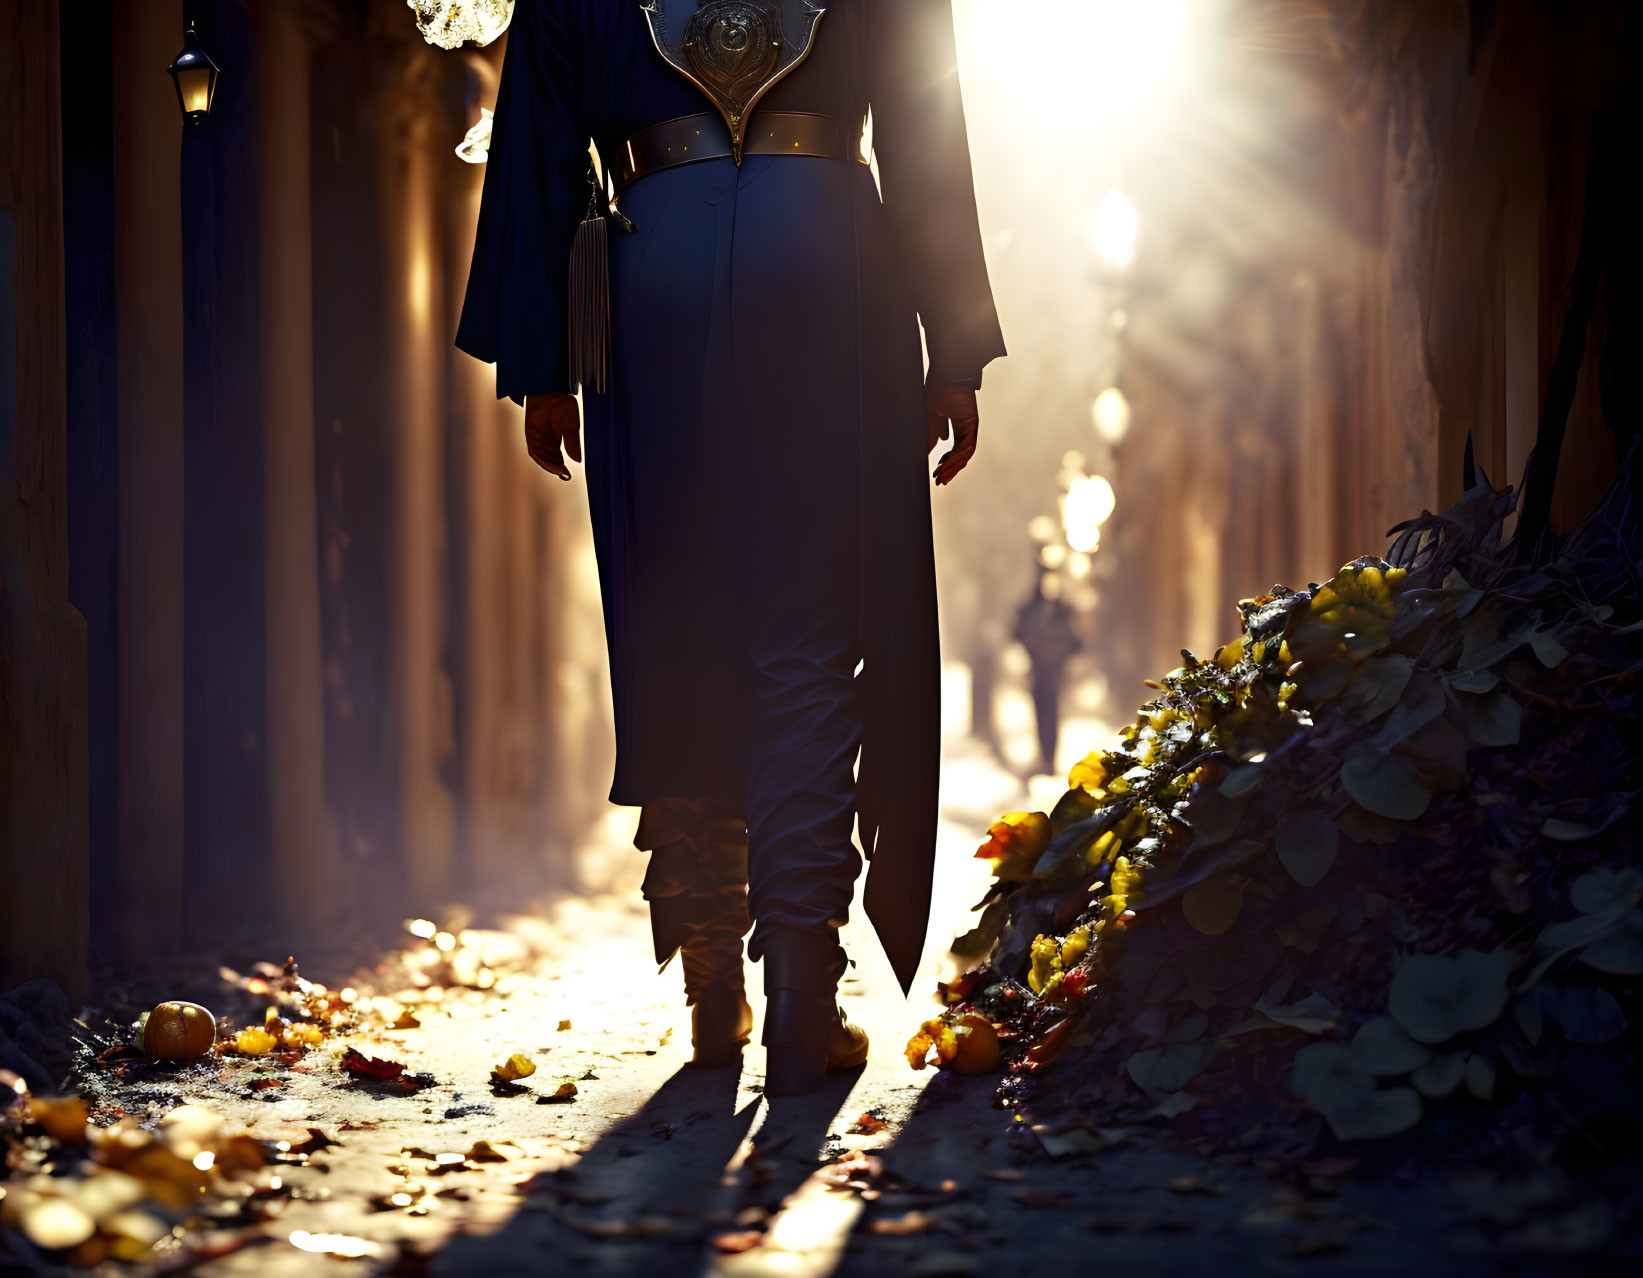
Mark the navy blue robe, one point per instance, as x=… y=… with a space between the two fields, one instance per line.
x=757 y=466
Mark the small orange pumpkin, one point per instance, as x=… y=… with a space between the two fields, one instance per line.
x=178 y=1031
x=978 y=1049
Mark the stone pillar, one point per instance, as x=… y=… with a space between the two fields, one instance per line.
x=488 y=710
x=1315 y=439
x=301 y=839
x=43 y=813
x=148 y=288
x=420 y=694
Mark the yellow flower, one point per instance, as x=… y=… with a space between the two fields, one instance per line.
x=254 y=1040
x=1126 y=880
x=1046 y=964
x=1350 y=615
x=1101 y=849
x=1075 y=946
x=1231 y=654
x=1089 y=773
x=1014 y=843
x=937 y=1034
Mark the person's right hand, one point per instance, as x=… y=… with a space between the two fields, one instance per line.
x=553 y=427
x=952 y=406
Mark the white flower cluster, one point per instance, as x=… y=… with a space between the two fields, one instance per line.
x=448 y=24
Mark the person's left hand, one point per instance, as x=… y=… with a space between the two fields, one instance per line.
x=952 y=406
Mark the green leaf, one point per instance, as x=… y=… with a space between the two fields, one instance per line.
x=1586 y=1015
x=1583 y=929
x=1138 y=962
x=1382 y=1048
x=1212 y=905
x=1313 y=1015
x=1423 y=701
x=1596 y=889
x=1066 y=850
x=1480 y=1077
x=1434 y=997
x=1306 y=929
x=1325 y=1077
x=1440 y=1077
x=1384 y=783
x=1307 y=841
x=1378 y=685
x=1175 y=1104
x=1363 y=826
x=1565 y=831
x=1214 y=816
x=1075 y=805
x=1241 y=780
x=1495 y=719
x=1376 y=1116
x=1474 y=681
x=1160 y=1070
x=1548 y=649
x=1621 y=952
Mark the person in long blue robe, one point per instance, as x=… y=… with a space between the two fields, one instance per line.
x=756 y=461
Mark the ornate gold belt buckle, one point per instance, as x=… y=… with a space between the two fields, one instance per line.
x=734 y=50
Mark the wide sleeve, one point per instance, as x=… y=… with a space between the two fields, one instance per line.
x=923 y=152
x=514 y=314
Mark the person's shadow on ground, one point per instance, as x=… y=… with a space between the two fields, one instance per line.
x=652 y=1194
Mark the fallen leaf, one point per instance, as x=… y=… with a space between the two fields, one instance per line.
x=360 y=1065
x=1039 y=1198
x=913 y=1222
x=513 y=1069
x=317 y=1141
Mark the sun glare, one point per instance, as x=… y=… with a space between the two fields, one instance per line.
x=1100 y=60
x=1113 y=228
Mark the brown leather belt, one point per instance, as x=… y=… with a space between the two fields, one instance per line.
x=704 y=137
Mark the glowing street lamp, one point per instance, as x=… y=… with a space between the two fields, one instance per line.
x=195 y=75
x=1110 y=414
x=1113 y=228
x=1089 y=503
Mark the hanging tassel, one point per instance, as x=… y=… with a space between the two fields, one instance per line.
x=589 y=329
x=590 y=304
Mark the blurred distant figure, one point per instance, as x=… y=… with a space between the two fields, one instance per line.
x=1044 y=627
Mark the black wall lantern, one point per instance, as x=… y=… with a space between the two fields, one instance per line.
x=195 y=75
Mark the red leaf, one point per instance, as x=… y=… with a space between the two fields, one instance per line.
x=362 y=1066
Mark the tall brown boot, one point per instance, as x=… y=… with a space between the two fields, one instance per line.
x=697 y=889
x=805 y=1031
x=721 y=1021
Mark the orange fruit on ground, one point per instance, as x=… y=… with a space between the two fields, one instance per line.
x=977 y=1044
x=178 y=1031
